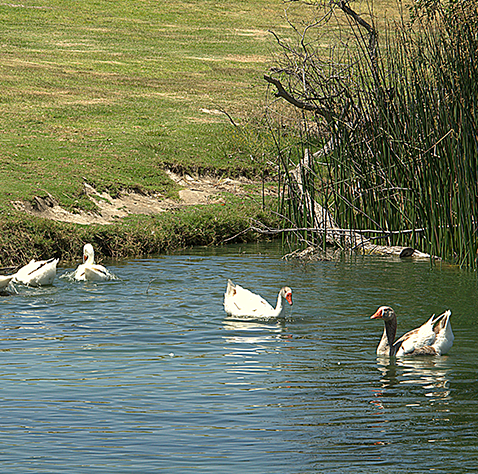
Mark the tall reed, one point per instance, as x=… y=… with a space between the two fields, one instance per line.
x=406 y=154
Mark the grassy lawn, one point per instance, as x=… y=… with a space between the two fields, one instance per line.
x=112 y=92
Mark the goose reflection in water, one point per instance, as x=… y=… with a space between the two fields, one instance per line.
x=252 y=332
x=431 y=373
x=247 y=342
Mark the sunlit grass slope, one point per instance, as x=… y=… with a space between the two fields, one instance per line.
x=111 y=93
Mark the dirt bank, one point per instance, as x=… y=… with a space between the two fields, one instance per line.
x=195 y=191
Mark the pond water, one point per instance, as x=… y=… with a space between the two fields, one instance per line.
x=146 y=374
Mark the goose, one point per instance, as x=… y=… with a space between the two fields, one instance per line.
x=239 y=302
x=89 y=270
x=434 y=337
x=37 y=273
x=5 y=281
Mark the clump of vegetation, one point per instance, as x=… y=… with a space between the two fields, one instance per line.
x=136 y=236
x=390 y=124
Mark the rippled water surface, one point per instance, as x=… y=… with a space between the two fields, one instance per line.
x=146 y=374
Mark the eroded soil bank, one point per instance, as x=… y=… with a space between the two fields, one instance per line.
x=194 y=191
x=208 y=211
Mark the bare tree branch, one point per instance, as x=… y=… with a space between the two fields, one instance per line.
x=372 y=40
x=281 y=92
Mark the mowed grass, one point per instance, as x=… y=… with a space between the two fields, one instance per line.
x=112 y=93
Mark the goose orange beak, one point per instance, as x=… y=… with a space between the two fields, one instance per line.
x=377 y=315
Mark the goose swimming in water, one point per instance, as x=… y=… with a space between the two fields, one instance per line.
x=239 y=302
x=435 y=337
x=89 y=270
x=37 y=273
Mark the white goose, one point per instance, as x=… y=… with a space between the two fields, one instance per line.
x=5 y=281
x=89 y=270
x=434 y=337
x=37 y=273
x=239 y=302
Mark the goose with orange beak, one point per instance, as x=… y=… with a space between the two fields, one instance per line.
x=242 y=303
x=435 y=337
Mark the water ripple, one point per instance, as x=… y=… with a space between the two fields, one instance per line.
x=146 y=373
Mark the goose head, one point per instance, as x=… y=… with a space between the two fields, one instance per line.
x=286 y=293
x=384 y=312
x=88 y=254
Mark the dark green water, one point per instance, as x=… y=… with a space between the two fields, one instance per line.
x=146 y=374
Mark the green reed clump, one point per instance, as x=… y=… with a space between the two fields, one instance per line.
x=416 y=159
x=406 y=142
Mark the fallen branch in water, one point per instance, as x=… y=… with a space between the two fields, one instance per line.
x=364 y=245
x=383 y=234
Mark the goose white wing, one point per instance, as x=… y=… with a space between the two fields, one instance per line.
x=416 y=339
x=435 y=337
x=5 y=281
x=97 y=273
x=37 y=273
x=445 y=336
x=22 y=276
x=239 y=301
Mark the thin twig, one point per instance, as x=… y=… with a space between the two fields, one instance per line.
x=228 y=116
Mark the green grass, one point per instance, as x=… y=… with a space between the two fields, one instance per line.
x=111 y=93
